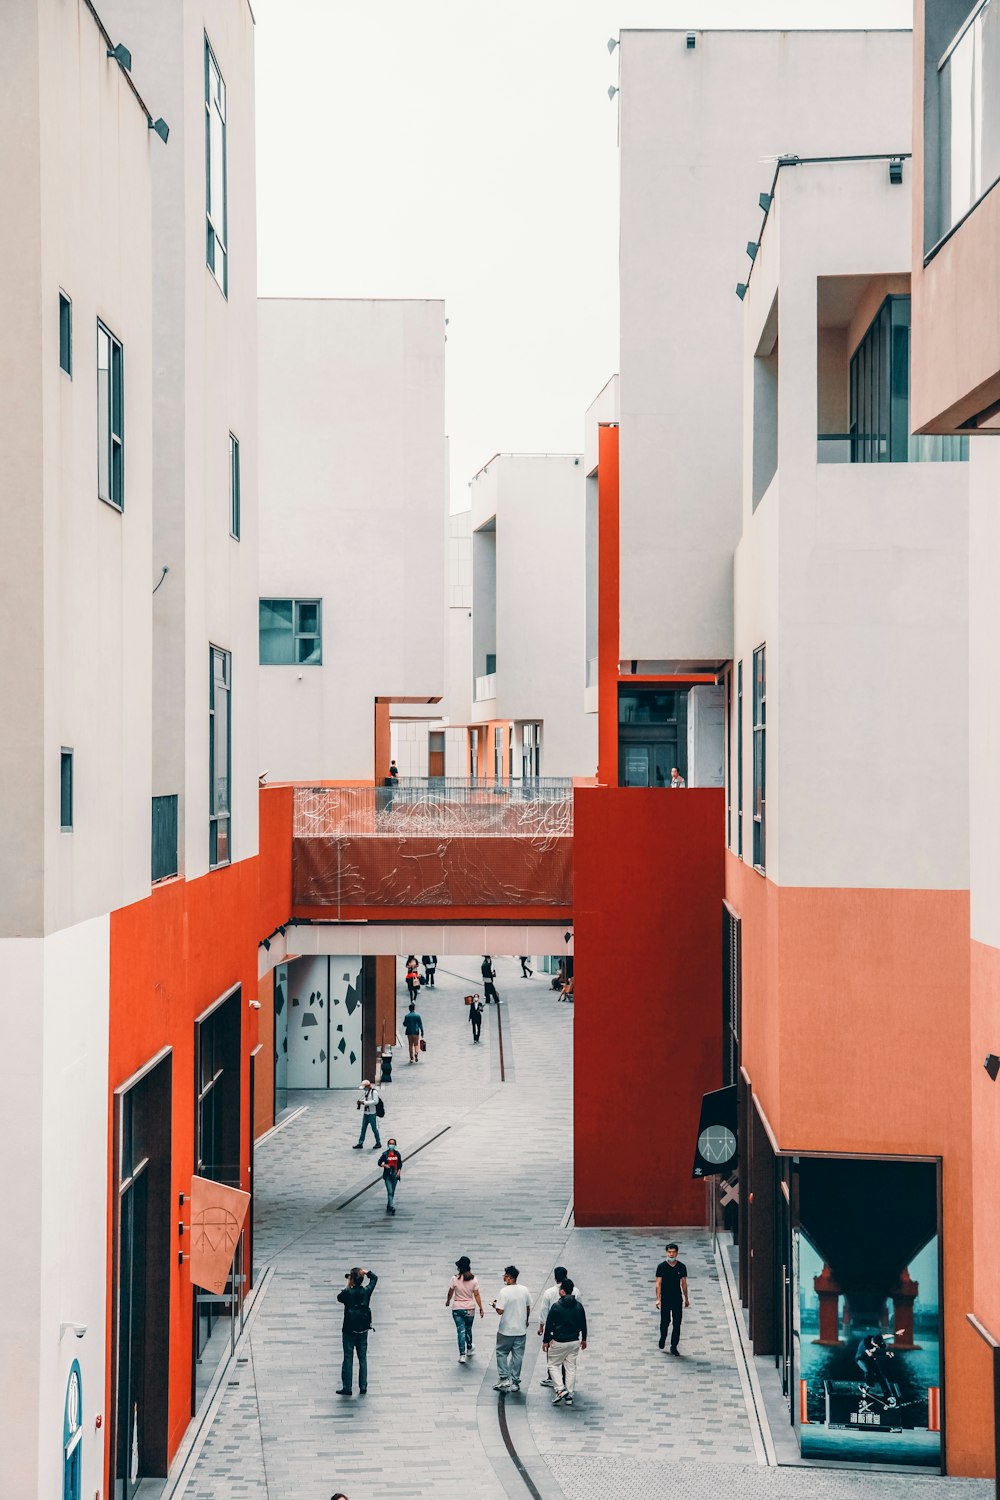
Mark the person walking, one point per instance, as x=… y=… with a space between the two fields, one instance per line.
x=489 y=974
x=671 y=1287
x=412 y=977
x=565 y=1335
x=356 y=1298
x=391 y=1163
x=369 y=1100
x=548 y=1298
x=463 y=1292
x=413 y=1025
x=475 y=1016
x=430 y=963
x=526 y=972
x=514 y=1308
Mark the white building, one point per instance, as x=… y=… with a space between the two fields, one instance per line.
x=76 y=565
x=353 y=496
x=528 y=617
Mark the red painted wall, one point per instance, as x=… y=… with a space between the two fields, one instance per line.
x=172 y=955
x=648 y=883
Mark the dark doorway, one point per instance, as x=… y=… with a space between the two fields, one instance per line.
x=435 y=752
x=652 y=734
x=141 y=1269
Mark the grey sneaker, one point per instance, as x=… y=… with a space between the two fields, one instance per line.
x=567 y=1400
x=546 y=1381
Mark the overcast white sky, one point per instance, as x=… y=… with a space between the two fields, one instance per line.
x=466 y=149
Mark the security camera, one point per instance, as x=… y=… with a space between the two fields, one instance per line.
x=79 y=1329
x=255 y=1005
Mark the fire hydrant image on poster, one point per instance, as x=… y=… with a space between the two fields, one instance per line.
x=866 y=1264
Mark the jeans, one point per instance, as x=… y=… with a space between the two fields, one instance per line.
x=562 y=1361
x=369 y=1120
x=390 y=1188
x=670 y=1310
x=464 y=1320
x=510 y=1354
x=352 y=1341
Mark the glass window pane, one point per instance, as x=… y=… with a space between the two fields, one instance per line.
x=307 y=650
x=65 y=334
x=117 y=390
x=307 y=622
x=103 y=414
x=276 y=636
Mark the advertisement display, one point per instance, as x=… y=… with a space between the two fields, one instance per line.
x=866 y=1268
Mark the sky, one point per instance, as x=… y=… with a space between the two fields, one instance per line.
x=467 y=149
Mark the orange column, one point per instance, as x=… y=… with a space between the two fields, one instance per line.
x=608 y=604
x=385 y=1000
x=383 y=742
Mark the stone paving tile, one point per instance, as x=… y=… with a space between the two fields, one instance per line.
x=632 y=1479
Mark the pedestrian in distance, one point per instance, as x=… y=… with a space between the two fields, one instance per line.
x=413 y=1025
x=463 y=1298
x=370 y=1103
x=676 y=779
x=565 y=1335
x=514 y=1308
x=430 y=963
x=548 y=1298
x=391 y=1163
x=356 y=1298
x=475 y=1015
x=526 y=972
x=393 y=770
x=412 y=977
x=489 y=974
x=671 y=1288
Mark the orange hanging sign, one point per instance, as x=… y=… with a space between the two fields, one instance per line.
x=218 y=1214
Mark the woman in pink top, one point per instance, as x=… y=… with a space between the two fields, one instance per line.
x=463 y=1292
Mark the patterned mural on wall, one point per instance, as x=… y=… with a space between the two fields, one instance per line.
x=324 y=1022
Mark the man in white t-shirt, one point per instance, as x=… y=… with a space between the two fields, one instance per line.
x=514 y=1308
x=550 y=1295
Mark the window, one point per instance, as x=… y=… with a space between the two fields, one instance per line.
x=880 y=396
x=216 y=207
x=759 y=759
x=110 y=420
x=66 y=334
x=72 y=1435
x=66 y=790
x=220 y=746
x=164 y=845
x=729 y=760
x=969 y=84
x=739 y=760
x=732 y=994
x=234 y=487
x=291 y=633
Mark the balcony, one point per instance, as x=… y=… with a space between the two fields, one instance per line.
x=443 y=843
x=486 y=687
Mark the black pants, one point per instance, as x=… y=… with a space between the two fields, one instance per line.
x=477 y=1026
x=525 y=971
x=490 y=992
x=355 y=1342
x=670 y=1310
x=429 y=974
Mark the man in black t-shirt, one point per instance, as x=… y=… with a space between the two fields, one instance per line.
x=671 y=1290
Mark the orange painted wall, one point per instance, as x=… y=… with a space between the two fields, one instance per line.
x=856 y=1039
x=172 y=955
x=985 y=1038
x=608 y=604
x=648 y=883
x=383 y=742
x=274 y=902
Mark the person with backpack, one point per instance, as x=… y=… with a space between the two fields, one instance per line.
x=565 y=1335
x=463 y=1289
x=412 y=977
x=413 y=1025
x=356 y=1298
x=391 y=1163
x=475 y=1016
x=370 y=1101
x=489 y=974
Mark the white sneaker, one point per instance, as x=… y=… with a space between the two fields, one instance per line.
x=461 y=1359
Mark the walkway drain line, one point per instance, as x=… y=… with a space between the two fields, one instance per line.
x=503 y=1073
x=340 y=1203
x=530 y=1484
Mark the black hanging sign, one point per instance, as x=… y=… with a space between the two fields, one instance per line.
x=715 y=1151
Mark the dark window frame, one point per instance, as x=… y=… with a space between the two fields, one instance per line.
x=759 y=757
x=295 y=633
x=216 y=234
x=65 y=333
x=112 y=433
x=67 y=770
x=220 y=817
x=234 y=486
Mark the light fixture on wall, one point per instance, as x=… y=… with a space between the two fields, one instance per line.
x=992 y=1065
x=690 y=39
x=765 y=200
x=122 y=56
x=612 y=90
x=752 y=248
x=741 y=289
x=161 y=127
x=896 y=171
x=612 y=44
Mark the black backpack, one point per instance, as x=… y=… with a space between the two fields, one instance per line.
x=380 y=1108
x=358 y=1316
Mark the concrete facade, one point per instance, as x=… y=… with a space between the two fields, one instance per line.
x=353 y=513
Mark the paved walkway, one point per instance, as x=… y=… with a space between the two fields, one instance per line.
x=494 y=1185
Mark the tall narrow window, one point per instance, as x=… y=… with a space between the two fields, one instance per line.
x=729 y=760
x=759 y=756
x=739 y=760
x=110 y=419
x=65 y=334
x=216 y=207
x=220 y=748
x=234 y=487
x=66 y=790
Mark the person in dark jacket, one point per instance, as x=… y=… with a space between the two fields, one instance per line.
x=489 y=974
x=430 y=963
x=413 y=1025
x=565 y=1335
x=356 y=1298
x=391 y=1162
x=475 y=1015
